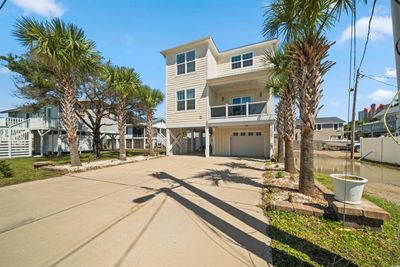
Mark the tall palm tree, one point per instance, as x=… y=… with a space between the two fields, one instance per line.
x=280 y=131
x=283 y=85
x=149 y=99
x=304 y=29
x=65 y=49
x=125 y=83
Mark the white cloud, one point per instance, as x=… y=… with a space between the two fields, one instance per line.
x=45 y=8
x=390 y=72
x=381 y=27
x=336 y=104
x=4 y=70
x=381 y=95
x=379 y=78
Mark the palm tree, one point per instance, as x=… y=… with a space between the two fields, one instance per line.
x=280 y=131
x=125 y=83
x=65 y=49
x=302 y=23
x=283 y=87
x=149 y=99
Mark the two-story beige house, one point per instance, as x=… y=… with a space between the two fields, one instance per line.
x=216 y=101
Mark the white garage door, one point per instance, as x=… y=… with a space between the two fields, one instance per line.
x=248 y=144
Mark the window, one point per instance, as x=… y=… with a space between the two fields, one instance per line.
x=242 y=134
x=185 y=99
x=318 y=126
x=335 y=126
x=250 y=133
x=186 y=62
x=258 y=133
x=244 y=60
x=235 y=134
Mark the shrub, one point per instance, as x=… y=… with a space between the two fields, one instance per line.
x=279 y=174
x=5 y=169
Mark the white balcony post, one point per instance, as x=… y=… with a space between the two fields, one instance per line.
x=207 y=150
x=30 y=143
x=226 y=110
x=247 y=109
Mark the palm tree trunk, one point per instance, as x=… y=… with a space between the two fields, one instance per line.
x=308 y=67
x=280 y=149
x=289 y=101
x=280 y=131
x=149 y=130
x=306 y=179
x=68 y=117
x=122 y=129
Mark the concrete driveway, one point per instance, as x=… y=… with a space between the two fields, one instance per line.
x=170 y=211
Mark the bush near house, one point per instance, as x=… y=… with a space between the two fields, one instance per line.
x=5 y=169
x=299 y=240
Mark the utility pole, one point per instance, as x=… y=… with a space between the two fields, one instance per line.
x=353 y=115
x=396 y=39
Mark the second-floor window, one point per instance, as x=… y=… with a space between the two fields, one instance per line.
x=185 y=100
x=241 y=61
x=186 y=62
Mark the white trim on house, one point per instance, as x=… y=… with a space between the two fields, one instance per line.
x=241 y=61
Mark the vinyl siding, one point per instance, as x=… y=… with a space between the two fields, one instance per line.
x=224 y=60
x=196 y=80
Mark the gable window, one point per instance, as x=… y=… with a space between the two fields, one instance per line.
x=318 y=126
x=186 y=62
x=241 y=61
x=185 y=100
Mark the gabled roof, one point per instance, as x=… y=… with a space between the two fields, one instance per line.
x=325 y=120
x=392 y=110
x=212 y=45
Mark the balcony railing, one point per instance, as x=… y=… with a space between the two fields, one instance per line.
x=238 y=110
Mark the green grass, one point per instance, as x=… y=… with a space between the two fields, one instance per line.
x=310 y=241
x=279 y=174
x=23 y=170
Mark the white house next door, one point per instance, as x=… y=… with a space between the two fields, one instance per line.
x=247 y=144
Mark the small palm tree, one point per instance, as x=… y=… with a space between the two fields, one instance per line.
x=302 y=23
x=283 y=87
x=65 y=49
x=125 y=83
x=149 y=99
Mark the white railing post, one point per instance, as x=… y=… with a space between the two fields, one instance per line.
x=9 y=143
x=247 y=109
x=30 y=143
x=226 y=110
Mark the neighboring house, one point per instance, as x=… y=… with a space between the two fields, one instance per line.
x=377 y=127
x=136 y=136
x=326 y=128
x=216 y=101
x=43 y=132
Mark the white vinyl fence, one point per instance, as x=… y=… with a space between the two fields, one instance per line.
x=380 y=149
x=15 y=142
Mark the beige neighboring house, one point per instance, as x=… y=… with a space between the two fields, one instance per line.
x=326 y=128
x=216 y=101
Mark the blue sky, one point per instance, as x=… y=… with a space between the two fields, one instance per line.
x=132 y=32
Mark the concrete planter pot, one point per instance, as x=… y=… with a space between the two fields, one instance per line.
x=348 y=188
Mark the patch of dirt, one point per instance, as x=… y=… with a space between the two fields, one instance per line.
x=286 y=189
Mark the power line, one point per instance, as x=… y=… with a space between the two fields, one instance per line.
x=3 y=4
x=376 y=80
x=369 y=31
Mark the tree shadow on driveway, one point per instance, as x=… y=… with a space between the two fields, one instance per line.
x=227 y=176
x=315 y=252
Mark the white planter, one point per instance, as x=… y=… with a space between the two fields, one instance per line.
x=348 y=190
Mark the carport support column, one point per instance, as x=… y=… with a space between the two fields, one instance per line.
x=168 y=144
x=271 y=140
x=207 y=133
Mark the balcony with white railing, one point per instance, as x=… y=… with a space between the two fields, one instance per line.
x=245 y=112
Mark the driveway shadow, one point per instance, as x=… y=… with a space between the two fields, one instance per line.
x=227 y=176
x=238 y=165
x=315 y=252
